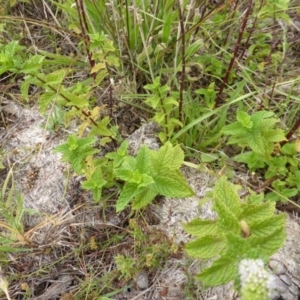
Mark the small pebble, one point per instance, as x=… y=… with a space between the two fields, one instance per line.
x=142 y=280
x=277 y=267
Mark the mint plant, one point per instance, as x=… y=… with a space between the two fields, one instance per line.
x=242 y=230
x=163 y=105
x=278 y=164
x=55 y=90
x=256 y=131
x=76 y=150
x=147 y=175
x=150 y=174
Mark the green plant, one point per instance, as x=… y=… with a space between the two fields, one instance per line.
x=242 y=230
x=126 y=266
x=197 y=65
x=163 y=105
x=148 y=174
x=149 y=248
x=278 y=164
x=255 y=131
x=13 y=235
x=56 y=90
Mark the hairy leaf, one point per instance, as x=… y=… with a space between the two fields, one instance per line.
x=127 y=194
x=205 y=247
x=222 y=271
x=201 y=228
x=254 y=212
x=144 y=198
x=269 y=244
x=172 y=185
x=244 y=119
x=227 y=205
x=162 y=159
x=266 y=226
x=143 y=160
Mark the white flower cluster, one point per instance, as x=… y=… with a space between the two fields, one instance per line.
x=256 y=281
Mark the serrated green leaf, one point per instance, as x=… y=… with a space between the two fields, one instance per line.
x=287 y=193
x=256 y=198
x=200 y=228
x=144 y=198
x=244 y=119
x=266 y=125
x=253 y=212
x=32 y=65
x=237 y=246
x=104 y=141
x=153 y=101
x=269 y=244
x=227 y=205
x=112 y=60
x=123 y=174
x=172 y=185
x=225 y=195
x=45 y=99
x=25 y=87
x=72 y=99
x=256 y=142
x=97 y=67
x=56 y=77
x=100 y=76
x=142 y=180
x=101 y=128
x=268 y=225
x=276 y=135
x=76 y=150
x=129 y=163
x=277 y=165
x=260 y=115
x=95 y=184
x=123 y=149
x=294 y=179
x=143 y=160
x=222 y=271
x=253 y=160
x=234 y=129
x=205 y=247
x=162 y=159
x=167 y=159
x=127 y=194
x=259 y=134
x=289 y=149
x=171 y=102
x=177 y=159
x=273 y=197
